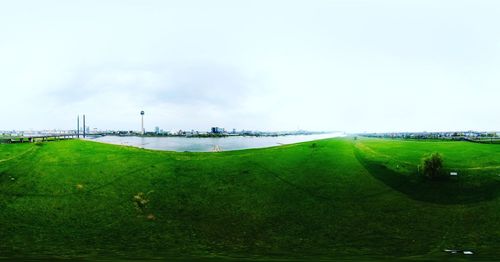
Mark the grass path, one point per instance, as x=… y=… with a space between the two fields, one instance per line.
x=31 y=149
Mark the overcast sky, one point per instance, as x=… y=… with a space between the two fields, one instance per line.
x=270 y=65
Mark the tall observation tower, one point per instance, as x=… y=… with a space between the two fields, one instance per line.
x=142 y=123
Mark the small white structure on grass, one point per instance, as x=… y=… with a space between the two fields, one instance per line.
x=453 y=174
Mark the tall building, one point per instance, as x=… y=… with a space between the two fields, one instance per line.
x=217 y=130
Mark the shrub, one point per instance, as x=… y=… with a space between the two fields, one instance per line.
x=432 y=165
x=141 y=202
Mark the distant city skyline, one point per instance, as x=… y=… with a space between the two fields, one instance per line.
x=351 y=65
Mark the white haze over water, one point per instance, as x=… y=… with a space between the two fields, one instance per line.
x=271 y=65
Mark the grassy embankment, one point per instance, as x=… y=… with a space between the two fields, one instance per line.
x=335 y=198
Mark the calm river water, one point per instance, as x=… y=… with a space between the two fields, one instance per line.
x=195 y=144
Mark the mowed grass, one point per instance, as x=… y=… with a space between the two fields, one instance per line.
x=398 y=164
x=328 y=199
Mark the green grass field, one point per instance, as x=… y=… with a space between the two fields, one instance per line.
x=330 y=199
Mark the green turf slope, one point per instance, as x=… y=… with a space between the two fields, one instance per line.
x=335 y=198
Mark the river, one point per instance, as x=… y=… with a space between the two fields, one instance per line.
x=197 y=144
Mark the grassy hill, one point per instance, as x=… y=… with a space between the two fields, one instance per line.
x=335 y=198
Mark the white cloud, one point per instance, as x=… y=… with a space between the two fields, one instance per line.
x=324 y=65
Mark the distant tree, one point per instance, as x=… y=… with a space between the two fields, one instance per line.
x=432 y=165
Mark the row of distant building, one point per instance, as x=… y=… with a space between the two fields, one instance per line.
x=83 y=129
x=88 y=130
x=436 y=135
x=158 y=131
x=213 y=131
